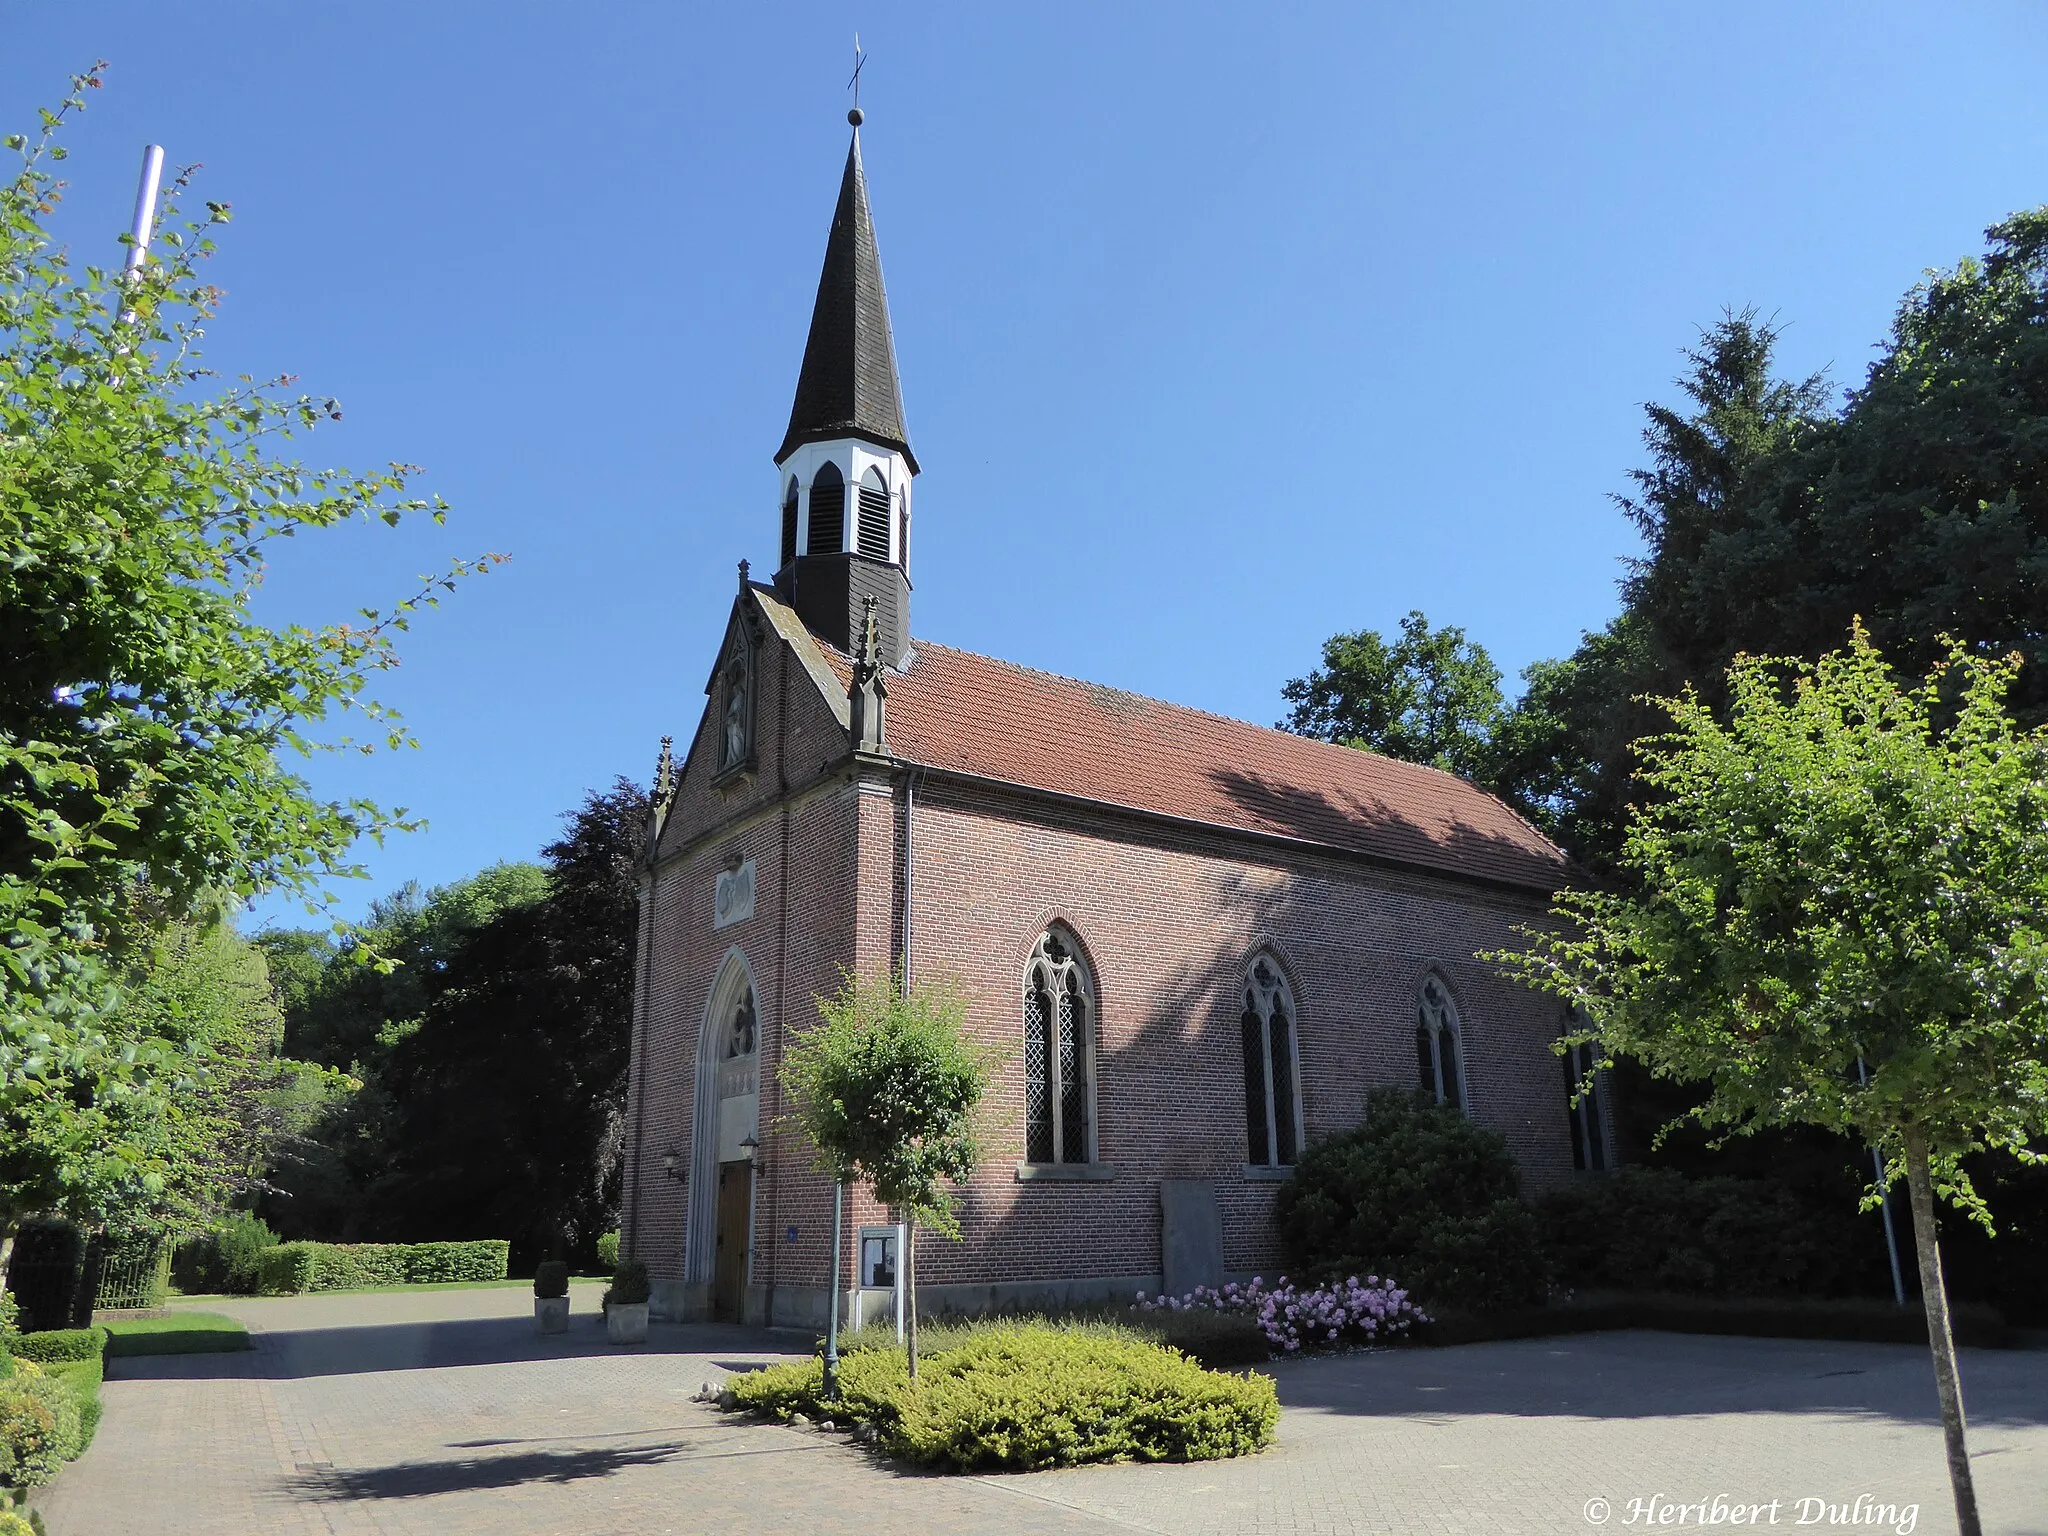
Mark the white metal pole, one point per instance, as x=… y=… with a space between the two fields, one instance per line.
x=143 y=225
x=1891 y=1239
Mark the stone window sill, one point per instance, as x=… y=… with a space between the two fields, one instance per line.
x=1065 y=1173
x=1259 y=1173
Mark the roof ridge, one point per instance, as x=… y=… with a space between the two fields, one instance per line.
x=1196 y=709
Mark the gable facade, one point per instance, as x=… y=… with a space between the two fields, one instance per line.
x=857 y=860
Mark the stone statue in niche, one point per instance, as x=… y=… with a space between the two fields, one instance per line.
x=738 y=705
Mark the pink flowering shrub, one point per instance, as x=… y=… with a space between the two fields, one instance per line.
x=1343 y=1312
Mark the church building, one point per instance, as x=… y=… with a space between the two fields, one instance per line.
x=1198 y=942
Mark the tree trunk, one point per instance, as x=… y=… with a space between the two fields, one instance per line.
x=910 y=1289
x=1934 y=1298
x=8 y=1228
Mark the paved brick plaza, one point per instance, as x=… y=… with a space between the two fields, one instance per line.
x=441 y=1412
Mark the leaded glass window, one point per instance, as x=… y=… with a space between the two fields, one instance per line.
x=1583 y=1108
x=1438 y=1036
x=1059 y=1054
x=1272 y=1115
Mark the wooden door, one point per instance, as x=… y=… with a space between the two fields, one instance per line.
x=729 y=1278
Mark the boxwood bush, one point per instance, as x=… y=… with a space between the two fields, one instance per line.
x=1418 y=1191
x=608 y=1250
x=59 y=1344
x=291 y=1268
x=1023 y=1396
x=550 y=1279
x=630 y=1286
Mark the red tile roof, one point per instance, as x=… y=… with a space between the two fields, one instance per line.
x=973 y=714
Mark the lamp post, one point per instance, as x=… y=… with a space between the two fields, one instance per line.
x=832 y=1308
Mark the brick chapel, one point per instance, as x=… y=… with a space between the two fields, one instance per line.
x=1199 y=941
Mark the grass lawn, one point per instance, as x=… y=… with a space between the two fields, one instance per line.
x=421 y=1285
x=182 y=1333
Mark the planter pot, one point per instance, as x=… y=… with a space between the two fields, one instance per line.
x=626 y=1322
x=551 y=1314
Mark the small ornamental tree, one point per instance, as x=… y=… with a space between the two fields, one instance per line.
x=886 y=1085
x=1841 y=920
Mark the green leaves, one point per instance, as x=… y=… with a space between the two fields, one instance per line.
x=148 y=722
x=1430 y=697
x=886 y=1086
x=1846 y=871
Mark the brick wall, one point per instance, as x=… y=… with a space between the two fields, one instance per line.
x=1168 y=921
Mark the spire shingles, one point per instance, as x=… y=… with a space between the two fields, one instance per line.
x=848 y=386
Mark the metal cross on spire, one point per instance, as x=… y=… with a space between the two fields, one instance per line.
x=860 y=62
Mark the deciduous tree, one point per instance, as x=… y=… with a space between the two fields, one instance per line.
x=1839 y=919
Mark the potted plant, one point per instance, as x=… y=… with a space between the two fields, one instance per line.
x=551 y=1296
x=625 y=1320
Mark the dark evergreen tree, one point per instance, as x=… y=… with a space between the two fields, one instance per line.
x=508 y=1100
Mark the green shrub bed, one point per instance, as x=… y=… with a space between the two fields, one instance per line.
x=47 y=1416
x=1419 y=1191
x=289 y=1269
x=1022 y=1396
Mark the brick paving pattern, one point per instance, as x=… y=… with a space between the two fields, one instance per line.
x=437 y=1413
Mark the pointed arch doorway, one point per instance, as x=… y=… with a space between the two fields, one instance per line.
x=719 y=1251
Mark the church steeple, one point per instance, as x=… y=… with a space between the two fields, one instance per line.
x=846 y=463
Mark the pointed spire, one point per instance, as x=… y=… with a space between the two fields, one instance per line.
x=848 y=386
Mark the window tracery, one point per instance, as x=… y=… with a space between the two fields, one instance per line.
x=1271 y=1113
x=1059 y=1053
x=1439 y=1043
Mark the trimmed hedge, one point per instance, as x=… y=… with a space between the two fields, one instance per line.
x=59 y=1344
x=608 y=1251
x=290 y=1269
x=1655 y=1229
x=1024 y=1396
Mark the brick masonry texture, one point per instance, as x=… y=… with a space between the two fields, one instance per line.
x=1168 y=917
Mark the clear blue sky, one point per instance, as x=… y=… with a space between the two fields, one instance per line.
x=1221 y=329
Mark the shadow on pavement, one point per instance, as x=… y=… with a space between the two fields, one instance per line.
x=420 y=1479
x=351 y=1351
x=1643 y=1375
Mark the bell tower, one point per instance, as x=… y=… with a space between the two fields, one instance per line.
x=845 y=465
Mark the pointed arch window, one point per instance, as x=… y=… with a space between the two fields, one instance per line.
x=874 y=515
x=1059 y=1053
x=1585 y=1108
x=1439 y=1043
x=828 y=511
x=1272 y=1112
x=789 y=522
x=736 y=704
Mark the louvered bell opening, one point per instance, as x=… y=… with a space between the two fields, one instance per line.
x=789 y=525
x=874 y=522
x=828 y=516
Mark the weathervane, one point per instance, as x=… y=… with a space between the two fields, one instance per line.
x=860 y=62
